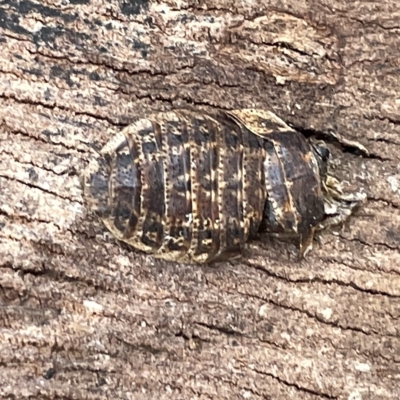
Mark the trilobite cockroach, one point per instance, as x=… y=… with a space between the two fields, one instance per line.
x=188 y=185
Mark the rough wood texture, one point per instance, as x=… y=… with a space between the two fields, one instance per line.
x=83 y=316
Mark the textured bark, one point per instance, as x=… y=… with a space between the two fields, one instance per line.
x=83 y=316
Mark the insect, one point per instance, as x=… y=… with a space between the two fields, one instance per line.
x=187 y=185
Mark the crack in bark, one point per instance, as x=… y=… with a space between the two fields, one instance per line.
x=222 y=329
x=67 y=171
x=47 y=191
x=365 y=243
x=61 y=276
x=382 y=118
x=323 y=281
x=192 y=7
x=281 y=45
x=9 y=34
x=383 y=200
x=296 y=385
x=96 y=59
x=63 y=108
x=132 y=347
x=39 y=138
x=12 y=73
x=384 y=140
x=352 y=267
x=373 y=23
x=190 y=101
x=27 y=218
x=335 y=324
x=88 y=146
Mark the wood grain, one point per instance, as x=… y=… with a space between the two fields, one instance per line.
x=83 y=316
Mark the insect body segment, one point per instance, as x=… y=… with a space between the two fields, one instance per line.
x=191 y=186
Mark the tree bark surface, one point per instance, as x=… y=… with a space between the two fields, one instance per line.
x=84 y=317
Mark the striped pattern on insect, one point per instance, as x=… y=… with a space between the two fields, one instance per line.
x=187 y=185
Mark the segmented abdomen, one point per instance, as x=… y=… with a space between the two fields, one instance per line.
x=186 y=186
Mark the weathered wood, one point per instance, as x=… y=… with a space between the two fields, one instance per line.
x=83 y=316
